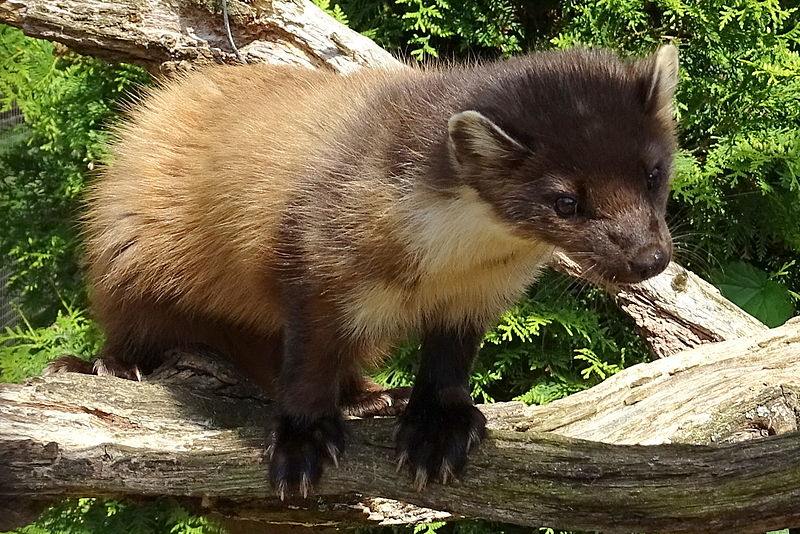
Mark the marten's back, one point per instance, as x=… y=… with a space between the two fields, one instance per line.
x=203 y=173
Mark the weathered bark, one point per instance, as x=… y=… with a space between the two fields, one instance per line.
x=82 y=435
x=717 y=393
x=165 y=35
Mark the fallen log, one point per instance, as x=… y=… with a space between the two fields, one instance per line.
x=76 y=435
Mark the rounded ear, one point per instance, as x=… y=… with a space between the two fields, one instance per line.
x=476 y=139
x=662 y=79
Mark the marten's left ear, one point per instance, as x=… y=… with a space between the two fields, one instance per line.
x=662 y=79
x=474 y=139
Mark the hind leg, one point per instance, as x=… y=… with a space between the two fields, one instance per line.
x=101 y=366
x=362 y=397
x=137 y=335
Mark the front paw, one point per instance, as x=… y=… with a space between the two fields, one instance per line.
x=433 y=441
x=298 y=451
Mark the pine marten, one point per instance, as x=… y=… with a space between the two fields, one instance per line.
x=303 y=223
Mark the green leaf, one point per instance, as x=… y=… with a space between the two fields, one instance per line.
x=752 y=290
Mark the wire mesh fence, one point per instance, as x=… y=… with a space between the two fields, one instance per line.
x=8 y=315
x=8 y=118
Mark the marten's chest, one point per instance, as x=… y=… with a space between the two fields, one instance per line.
x=465 y=268
x=383 y=310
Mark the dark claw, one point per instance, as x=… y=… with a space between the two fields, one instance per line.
x=433 y=443
x=299 y=450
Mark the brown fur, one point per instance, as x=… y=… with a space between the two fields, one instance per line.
x=261 y=209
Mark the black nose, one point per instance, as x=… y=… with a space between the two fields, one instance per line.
x=649 y=262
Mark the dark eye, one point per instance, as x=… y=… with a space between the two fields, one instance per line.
x=653 y=178
x=566 y=206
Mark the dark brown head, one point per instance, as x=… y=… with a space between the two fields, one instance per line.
x=575 y=148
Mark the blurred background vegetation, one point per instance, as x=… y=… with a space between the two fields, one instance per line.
x=735 y=207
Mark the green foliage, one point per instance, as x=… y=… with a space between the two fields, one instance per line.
x=556 y=342
x=66 y=100
x=25 y=350
x=430 y=28
x=99 y=516
x=428 y=528
x=334 y=10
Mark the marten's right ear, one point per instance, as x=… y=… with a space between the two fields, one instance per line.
x=477 y=140
x=662 y=80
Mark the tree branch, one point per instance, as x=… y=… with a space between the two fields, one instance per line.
x=676 y=310
x=76 y=435
x=163 y=36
